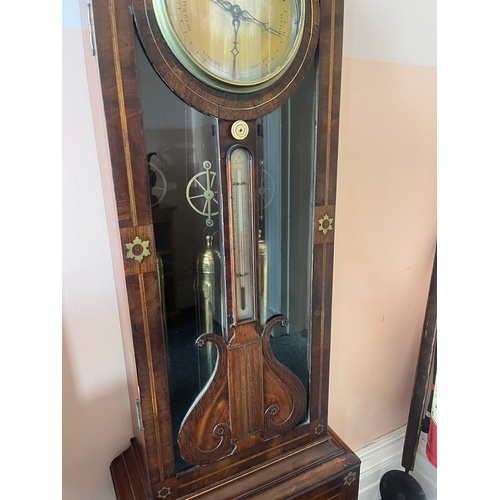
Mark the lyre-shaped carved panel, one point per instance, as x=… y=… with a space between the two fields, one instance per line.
x=285 y=398
x=215 y=427
x=205 y=433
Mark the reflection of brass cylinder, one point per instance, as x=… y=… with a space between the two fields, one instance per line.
x=206 y=284
x=161 y=284
x=262 y=280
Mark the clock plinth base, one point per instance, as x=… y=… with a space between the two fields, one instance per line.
x=322 y=470
x=128 y=475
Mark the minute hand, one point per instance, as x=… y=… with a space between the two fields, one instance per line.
x=246 y=16
x=227 y=6
x=237 y=13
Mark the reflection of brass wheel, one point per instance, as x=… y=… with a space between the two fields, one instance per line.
x=266 y=187
x=201 y=195
x=157 y=183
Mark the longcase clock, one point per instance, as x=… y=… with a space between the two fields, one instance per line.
x=222 y=120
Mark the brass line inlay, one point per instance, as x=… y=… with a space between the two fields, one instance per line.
x=154 y=403
x=323 y=493
x=128 y=477
x=321 y=345
x=253 y=342
x=246 y=435
x=254 y=106
x=247 y=430
x=330 y=103
x=123 y=116
x=264 y=464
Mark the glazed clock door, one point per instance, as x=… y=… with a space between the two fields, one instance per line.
x=236 y=302
x=222 y=121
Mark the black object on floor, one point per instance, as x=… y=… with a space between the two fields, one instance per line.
x=397 y=484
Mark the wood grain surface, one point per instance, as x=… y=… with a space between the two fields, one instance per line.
x=242 y=434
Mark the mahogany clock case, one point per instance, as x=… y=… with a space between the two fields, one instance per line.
x=223 y=104
x=237 y=409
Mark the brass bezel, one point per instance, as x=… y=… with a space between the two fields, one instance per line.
x=205 y=75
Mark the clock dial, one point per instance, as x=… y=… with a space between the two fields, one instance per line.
x=238 y=45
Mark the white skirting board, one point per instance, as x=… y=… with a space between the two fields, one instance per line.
x=384 y=454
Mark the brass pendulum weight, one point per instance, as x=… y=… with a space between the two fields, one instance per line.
x=262 y=279
x=206 y=287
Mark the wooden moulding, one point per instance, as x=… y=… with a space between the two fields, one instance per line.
x=323 y=469
x=128 y=475
x=219 y=103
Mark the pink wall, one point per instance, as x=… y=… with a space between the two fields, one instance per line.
x=385 y=239
x=96 y=417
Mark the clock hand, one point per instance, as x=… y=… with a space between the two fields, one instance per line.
x=235 y=11
x=234 y=50
x=239 y=15
x=246 y=16
x=227 y=6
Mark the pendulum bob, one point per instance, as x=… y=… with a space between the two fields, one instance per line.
x=263 y=267
x=206 y=284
